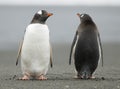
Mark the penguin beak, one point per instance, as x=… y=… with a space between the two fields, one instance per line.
x=49 y=14
x=78 y=14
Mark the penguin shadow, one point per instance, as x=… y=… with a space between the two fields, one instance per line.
x=65 y=76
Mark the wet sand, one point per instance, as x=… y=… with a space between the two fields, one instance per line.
x=61 y=75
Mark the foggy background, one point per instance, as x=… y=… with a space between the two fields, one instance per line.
x=62 y=2
x=16 y=15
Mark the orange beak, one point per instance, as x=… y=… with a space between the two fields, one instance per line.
x=50 y=14
x=78 y=14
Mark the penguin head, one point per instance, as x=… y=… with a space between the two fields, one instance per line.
x=84 y=17
x=41 y=17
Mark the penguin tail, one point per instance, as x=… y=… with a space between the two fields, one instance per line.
x=84 y=75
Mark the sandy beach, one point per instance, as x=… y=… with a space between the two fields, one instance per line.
x=61 y=75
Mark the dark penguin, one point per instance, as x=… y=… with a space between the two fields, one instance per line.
x=86 y=48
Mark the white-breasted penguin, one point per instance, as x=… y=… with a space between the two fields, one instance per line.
x=86 y=48
x=35 y=50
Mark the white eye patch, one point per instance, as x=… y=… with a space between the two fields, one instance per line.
x=82 y=15
x=39 y=12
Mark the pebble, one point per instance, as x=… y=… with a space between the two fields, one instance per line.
x=67 y=86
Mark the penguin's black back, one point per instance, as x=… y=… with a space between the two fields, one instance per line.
x=87 y=49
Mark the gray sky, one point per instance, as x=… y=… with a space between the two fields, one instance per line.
x=61 y=2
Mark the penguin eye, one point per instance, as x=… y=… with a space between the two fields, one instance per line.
x=82 y=15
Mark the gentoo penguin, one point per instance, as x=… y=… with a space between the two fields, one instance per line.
x=86 y=49
x=35 y=50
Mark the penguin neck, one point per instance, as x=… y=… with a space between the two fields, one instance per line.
x=36 y=21
x=87 y=22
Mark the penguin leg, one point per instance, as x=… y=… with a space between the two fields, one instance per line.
x=25 y=77
x=77 y=77
x=42 y=77
x=92 y=77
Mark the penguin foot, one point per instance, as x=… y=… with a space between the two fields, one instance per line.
x=92 y=77
x=76 y=77
x=42 y=77
x=80 y=77
x=25 y=77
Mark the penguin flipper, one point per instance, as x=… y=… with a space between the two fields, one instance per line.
x=51 y=57
x=101 y=49
x=19 y=52
x=73 y=43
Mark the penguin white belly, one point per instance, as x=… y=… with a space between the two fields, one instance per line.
x=35 y=55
